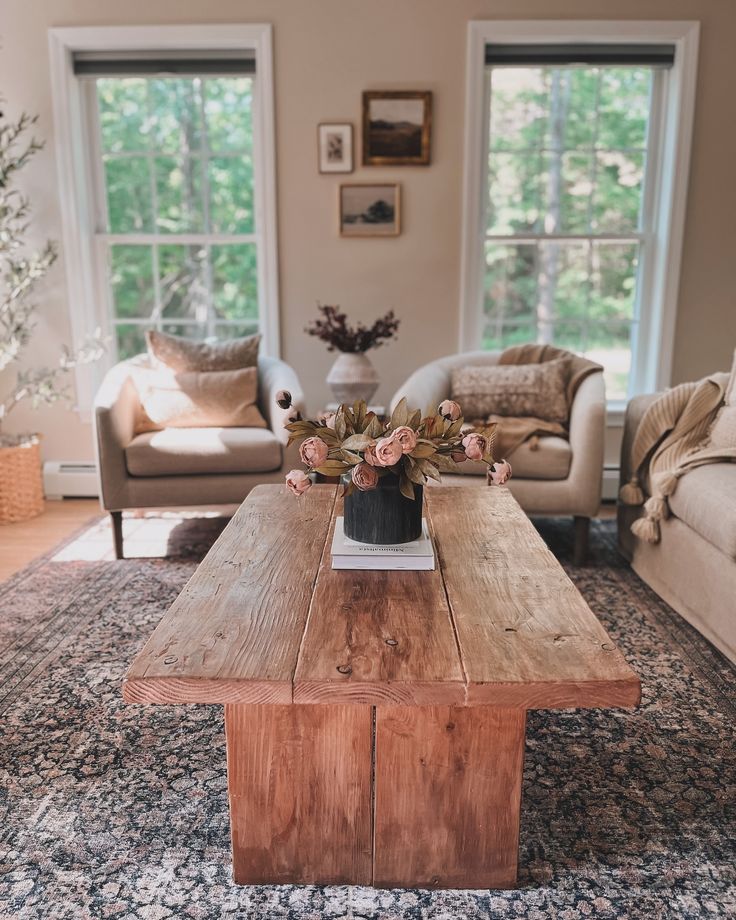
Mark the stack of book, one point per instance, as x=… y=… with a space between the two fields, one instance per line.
x=349 y=554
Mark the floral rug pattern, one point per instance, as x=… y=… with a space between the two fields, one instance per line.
x=115 y=811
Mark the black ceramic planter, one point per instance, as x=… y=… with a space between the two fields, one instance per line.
x=383 y=515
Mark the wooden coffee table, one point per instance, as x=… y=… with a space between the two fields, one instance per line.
x=375 y=721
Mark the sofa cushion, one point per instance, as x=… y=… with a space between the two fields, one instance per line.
x=551 y=460
x=705 y=500
x=182 y=451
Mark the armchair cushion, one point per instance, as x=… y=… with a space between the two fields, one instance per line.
x=512 y=390
x=182 y=451
x=705 y=500
x=182 y=354
x=551 y=460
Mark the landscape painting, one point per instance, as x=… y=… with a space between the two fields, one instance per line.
x=396 y=128
x=369 y=210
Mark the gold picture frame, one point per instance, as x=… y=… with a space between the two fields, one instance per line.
x=369 y=209
x=397 y=128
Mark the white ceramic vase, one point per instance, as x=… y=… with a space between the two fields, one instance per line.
x=352 y=377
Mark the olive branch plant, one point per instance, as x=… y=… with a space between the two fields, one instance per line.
x=20 y=273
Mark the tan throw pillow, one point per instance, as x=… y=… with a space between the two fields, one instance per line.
x=186 y=355
x=723 y=432
x=212 y=399
x=513 y=390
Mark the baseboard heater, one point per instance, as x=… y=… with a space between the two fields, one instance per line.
x=70 y=479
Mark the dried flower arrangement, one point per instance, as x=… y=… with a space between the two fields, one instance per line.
x=332 y=327
x=409 y=446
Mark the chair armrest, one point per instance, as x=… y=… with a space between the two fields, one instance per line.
x=587 y=437
x=426 y=388
x=275 y=375
x=634 y=413
x=114 y=414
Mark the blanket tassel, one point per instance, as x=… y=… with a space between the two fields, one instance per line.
x=631 y=493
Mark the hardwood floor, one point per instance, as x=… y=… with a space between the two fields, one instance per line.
x=23 y=542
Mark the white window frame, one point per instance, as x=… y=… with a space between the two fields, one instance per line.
x=78 y=170
x=665 y=198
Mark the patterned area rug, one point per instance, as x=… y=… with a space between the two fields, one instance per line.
x=114 y=811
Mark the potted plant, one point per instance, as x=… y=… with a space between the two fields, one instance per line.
x=352 y=376
x=384 y=465
x=21 y=488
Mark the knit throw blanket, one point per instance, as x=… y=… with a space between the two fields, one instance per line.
x=671 y=440
x=512 y=432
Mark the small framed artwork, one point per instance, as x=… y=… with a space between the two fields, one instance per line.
x=396 y=128
x=335 y=144
x=370 y=209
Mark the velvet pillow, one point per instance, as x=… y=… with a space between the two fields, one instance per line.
x=181 y=354
x=211 y=399
x=513 y=390
x=723 y=431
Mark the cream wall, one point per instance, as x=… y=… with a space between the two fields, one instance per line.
x=326 y=53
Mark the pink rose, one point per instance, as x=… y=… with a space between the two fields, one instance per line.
x=327 y=419
x=406 y=437
x=475 y=445
x=388 y=451
x=458 y=456
x=369 y=454
x=364 y=477
x=283 y=399
x=449 y=410
x=500 y=472
x=298 y=482
x=313 y=452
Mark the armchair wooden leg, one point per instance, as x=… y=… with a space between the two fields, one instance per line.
x=582 y=530
x=116 y=517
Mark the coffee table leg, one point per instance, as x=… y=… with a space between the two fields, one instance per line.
x=299 y=782
x=448 y=793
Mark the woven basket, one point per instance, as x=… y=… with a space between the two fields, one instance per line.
x=21 y=486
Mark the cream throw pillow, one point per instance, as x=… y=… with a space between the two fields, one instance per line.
x=513 y=390
x=186 y=355
x=214 y=399
x=723 y=432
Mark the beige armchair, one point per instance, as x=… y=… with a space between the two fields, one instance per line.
x=561 y=476
x=180 y=467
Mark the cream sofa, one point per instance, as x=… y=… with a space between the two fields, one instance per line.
x=562 y=476
x=180 y=467
x=693 y=567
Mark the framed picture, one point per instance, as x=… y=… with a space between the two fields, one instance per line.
x=335 y=144
x=370 y=209
x=396 y=128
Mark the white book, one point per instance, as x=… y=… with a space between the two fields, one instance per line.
x=349 y=554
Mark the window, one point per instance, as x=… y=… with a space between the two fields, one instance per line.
x=176 y=205
x=165 y=147
x=572 y=219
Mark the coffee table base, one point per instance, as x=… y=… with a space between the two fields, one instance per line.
x=395 y=796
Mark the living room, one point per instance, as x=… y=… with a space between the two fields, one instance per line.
x=367 y=441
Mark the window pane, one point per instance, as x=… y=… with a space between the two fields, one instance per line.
x=129 y=205
x=182 y=274
x=196 y=331
x=519 y=108
x=498 y=337
x=510 y=282
x=176 y=111
x=131 y=279
x=569 y=186
x=624 y=107
x=179 y=195
x=130 y=339
x=235 y=282
x=576 y=98
x=228 y=113
x=610 y=345
x=618 y=192
x=225 y=331
x=231 y=194
x=515 y=183
x=123 y=114
x=613 y=277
